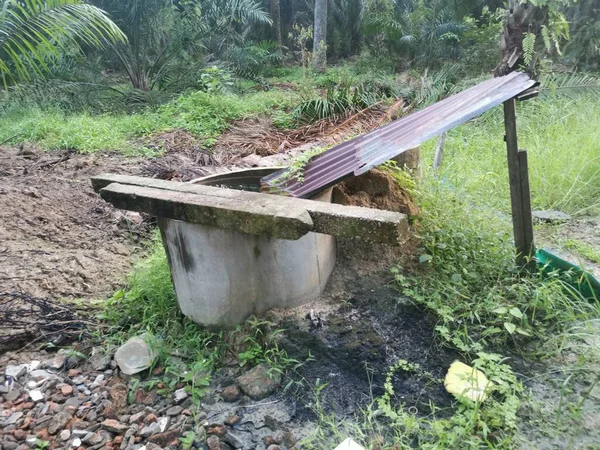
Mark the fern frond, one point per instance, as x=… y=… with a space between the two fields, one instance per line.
x=528 y=47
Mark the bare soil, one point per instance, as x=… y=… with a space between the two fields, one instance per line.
x=375 y=189
x=57 y=237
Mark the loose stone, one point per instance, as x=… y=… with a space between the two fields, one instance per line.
x=259 y=382
x=231 y=393
x=59 y=421
x=114 y=426
x=65 y=435
x=174 y=411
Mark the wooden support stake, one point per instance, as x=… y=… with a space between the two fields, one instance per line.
x=528 y=239
x=520 y=198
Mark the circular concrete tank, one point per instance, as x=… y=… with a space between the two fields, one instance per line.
x=221 y=277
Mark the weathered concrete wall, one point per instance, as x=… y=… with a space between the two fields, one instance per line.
x=221 y=276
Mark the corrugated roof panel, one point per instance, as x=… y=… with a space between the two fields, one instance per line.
x=361 y=154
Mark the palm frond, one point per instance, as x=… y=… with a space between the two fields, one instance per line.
x=34 y=32
x=569 y=85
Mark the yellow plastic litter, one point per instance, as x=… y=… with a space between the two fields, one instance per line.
x=466 y=382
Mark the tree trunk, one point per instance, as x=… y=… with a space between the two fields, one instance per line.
x=520 y=16
x=276 y=16
x=320 y=35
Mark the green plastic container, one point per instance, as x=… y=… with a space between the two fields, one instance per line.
x=581 y=280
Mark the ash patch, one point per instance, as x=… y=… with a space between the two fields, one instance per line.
x=356 y=345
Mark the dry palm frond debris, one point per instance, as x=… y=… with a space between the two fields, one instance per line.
x=27 y=320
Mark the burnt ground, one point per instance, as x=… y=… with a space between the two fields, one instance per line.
x=351 y=345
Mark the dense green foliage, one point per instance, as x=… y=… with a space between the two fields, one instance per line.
x=35 y=33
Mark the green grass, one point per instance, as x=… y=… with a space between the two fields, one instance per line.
x=53 y=130
x=188 y=353
x=563 y=142
x=204 y=115
x=586 y=250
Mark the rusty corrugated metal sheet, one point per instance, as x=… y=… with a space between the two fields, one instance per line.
x=369 y=150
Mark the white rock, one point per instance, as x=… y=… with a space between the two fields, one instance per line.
x=98 y=381
x=16 y=372
x=134 y=356
x=76 y=443
x=349 y=444
x=36 y=395
x=33 y=365
x=163 y=424
x=180 y=395
x=65 y=435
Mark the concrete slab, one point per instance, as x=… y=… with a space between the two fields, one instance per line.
x=264 y=217
x=349 y=222
x=235 y=253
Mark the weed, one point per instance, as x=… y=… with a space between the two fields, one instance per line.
x=295 y=170
x=586 y=250
x=41 y=444
x=467 y=277
x=383 y=424
x=187 y=440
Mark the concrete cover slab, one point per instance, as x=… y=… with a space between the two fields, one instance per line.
x=354 y=222
x=263 y=217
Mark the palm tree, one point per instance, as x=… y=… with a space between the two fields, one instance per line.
x=34 y=33
x=157 y=35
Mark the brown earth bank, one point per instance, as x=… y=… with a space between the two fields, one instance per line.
x=57 y=237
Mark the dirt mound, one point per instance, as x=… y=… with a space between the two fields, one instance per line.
x=375 y=189
x=57 y=237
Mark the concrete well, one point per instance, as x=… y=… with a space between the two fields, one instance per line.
x=221 y=276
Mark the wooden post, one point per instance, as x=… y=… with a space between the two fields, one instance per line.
x=528 y=242
x=520 y=197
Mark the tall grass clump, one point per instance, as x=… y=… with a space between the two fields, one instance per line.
x=562 y=137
